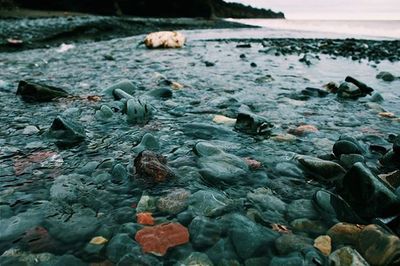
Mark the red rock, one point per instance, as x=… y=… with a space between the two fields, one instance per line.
x=145 y=218
x=157 y=239
x=152 y=167
x=253 y=164
x=303 y=129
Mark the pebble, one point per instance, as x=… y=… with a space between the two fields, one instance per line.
x=220 y=119
x=98 y=240
x=30 y=130
x=323 y=244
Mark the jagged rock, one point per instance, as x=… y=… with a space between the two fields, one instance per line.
x=35 y=92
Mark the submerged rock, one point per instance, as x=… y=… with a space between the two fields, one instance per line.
x=66 y=132
x=148 y=142
x=204 y=232
x=174 y=202
x=124 y=85
x=152 y=167
x=345 y=147
x=138 y=112
x=158 y=239
x=35 y=92
x=346 y=256
x=165 y=39
x=253 y=124
x=385 y=76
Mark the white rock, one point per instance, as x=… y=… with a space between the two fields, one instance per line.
x=164 y=39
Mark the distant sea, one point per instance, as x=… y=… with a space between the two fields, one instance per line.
x=376 y=29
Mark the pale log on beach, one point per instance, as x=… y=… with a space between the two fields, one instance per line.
x=165 y=39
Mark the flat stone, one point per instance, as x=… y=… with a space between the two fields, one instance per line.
x=324 y=244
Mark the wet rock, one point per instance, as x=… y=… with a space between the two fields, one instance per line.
x=137 y=259
x=197 y=259
x=378 y=246
x=333 y=208
x=223 y=250
x=174 y=202
x=302 y=208
x=148 y=142
x=104 y=113
x=30 y=130
x=98 y=240
x=345 y=147
x=138 y=111
x=303 y=129
x=289 y=243
x=119 y=173
x=363 y=87
x=396 y=145
x=345 y=234
x=66 y=132
x=39 y=240
x=347 y=160
x=321 y=169
x=128 y=228
x=346 y=256
x=207 y=202
x=313 y=227
x=349 y=91
x=144 y=218
x=220 y=119
x=385 y=76
x=253 y=124
x=206 y=131
x=248 y=238
x=293 y=259
x=158 y=239
x=323 y=243
x=146 y=204
x=284 y=138
x=68 y=188
x=152 y=167
x=204 y=232
x=367 y=194
x=124 y=85
x=120 y=245
x=314 y=92
x=35 y=92
x=392 y=178
x=270 y=205
x=218 y=166
x=165 y=39
x=160 y=93
x=377 y=98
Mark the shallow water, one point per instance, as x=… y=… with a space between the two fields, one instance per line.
x=83 y=71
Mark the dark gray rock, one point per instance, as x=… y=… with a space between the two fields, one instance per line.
x=321 y=169
x=253 y=124
x=347 y=160
x=386 y=76
x=65 y=132
x=289 y=243
x=35 y=92
x=222 y=250
x=367 y=194
x=302 y=208
x=160 y=93
x=204 y=232
x=345 y=147
x=119 y=246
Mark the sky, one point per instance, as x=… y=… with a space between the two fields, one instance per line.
x=331 y=9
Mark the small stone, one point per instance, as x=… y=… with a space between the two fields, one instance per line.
x=387 y=115
x=98 y=240
x=148 y=142
x=30 y=130
x=252 y=124
x=288 y=243
x=204 y=232
x=197 y=259
x=323 y=243
x=385 y=76
x=165 y=39
x=146 y=204
x=220 y=119
x=346 y=256
x=322 y=169
x=176 y=86
x=124 y=85
x=345 y=147
x=158 y=239
x=345 y=233
x=152 y=167
x=35 y=92
x=284 y=138
x=145 y=218
x=138 y=111
x=303 y=129
x=253 y=164
x=308 y=226
x=174 y=202
x=66 y=132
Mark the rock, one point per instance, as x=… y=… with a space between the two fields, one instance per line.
x=385 y=76
x=98 y=240
x=160 y=93
x=289 y=243
x=165 y=39
x=220 y=119
x=396 y=145
x=253 y=164
x=138 y=112
x=146 y=204
x=30 y=130
x=293 y=259
x=120 y=245
x=323 y=244
x=377 y=98
x=35 y=92
x=158 y=239
x=302 y=208
x=393 y=178
x=346 y=256
x=314 y=92
x=209 y=64
x=148 y=142
x=321 y=169
x=303 y=129
x=345 y=147
x=152 y=167
x=253 y=124
x=174 y=202
x=348 y=160
x=38 y=239
x=223 y=250
x=390 y=161
x=204 y=232
x=270 y=205
x=284 y=138
x=124 y=85
x=378 y=246
x=313 y=227
x=333 y=208
x=144 y=218
x=217 y=166
x=345 y=234
x=367 y=194
x=349 y=91
x=207 y=202
x=137 y=259
x=206 y=131
x=249 y=239
x=68 y=188
x=104 y=113
x=119 y=173
x=66 y=132
x=363 y=88
x=196 y=259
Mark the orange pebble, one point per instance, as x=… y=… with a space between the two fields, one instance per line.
x=145 y=218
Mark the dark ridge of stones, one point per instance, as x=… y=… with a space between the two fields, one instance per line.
x=35 y=92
